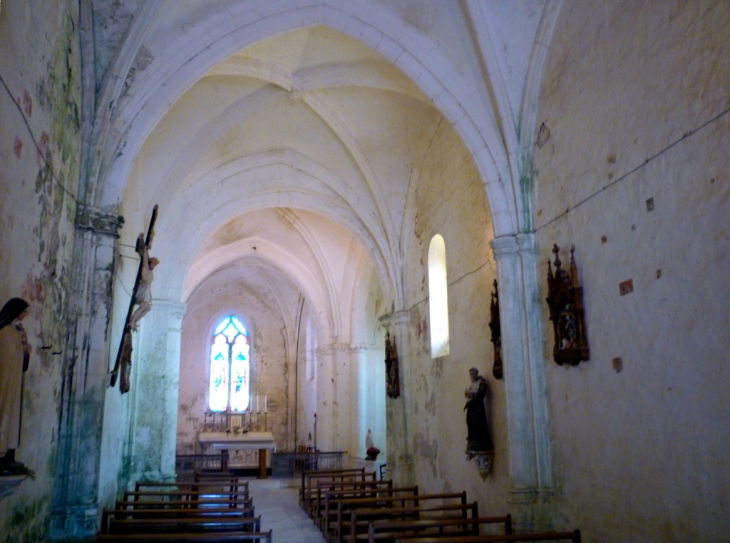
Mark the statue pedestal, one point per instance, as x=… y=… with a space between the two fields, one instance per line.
x=483 y=457
x=10 y=483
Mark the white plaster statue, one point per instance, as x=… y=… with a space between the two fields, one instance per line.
x=14 y=356
x=372 y=451
x=143 y=295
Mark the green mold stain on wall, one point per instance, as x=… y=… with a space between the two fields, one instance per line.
x=27 y=522
x=528 y=174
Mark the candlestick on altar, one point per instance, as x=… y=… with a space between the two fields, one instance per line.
x=258 y=405
x=266 y=404
x=266 y=426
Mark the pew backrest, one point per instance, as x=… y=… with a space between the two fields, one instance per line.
x=437 y=527
x=184 y=525
x=334 y=474
x=333 y=508
x=573 y=537
x=212 y=537
x=207 y=512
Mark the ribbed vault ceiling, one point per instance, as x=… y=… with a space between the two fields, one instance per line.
x=303 y=146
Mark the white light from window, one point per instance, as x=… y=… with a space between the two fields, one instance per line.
x=438 y=300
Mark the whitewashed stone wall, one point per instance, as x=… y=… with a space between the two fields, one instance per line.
x=448 y=198
x=40 y=139
x=636 y=101
x=270 y=369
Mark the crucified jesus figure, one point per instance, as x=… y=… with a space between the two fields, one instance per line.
x=143 y=295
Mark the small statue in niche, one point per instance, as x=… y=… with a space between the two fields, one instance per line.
x=478 y=438
x=392 y=380
x=14 y=360
x=565 y=299
x=496 y=328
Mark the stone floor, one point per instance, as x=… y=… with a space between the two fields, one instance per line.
x=277 y=504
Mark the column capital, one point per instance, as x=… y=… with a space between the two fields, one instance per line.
x=342 y=348
x=395 y=318
x=173 y=308
x=517 y=244
x=97 y=221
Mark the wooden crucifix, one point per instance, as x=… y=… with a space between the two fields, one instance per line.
x=141 y=297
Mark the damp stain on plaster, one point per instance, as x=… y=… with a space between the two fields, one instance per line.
x=528 y=174
x=417 y=226
x=427 y=450
x=27 y=104
x=437 y=367
x=543 y=136
x=141 y=62
x=431 y=404
x=27 y=521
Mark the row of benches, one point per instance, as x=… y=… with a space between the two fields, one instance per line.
x=210 y=508
x=352 y=506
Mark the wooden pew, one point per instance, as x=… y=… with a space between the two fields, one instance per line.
x=206 y=512
x=201 y=503
x=383 y=504
x=330 y=516
x=308 y=477
x=445 y=527
x=183 y=494
x=214 y=537
x=573 y=537
x=345 y=489
x=236 y=486
x=361 y=519
x=184 y=525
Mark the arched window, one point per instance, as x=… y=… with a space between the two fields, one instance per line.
x=230 y=367
x=438 y=300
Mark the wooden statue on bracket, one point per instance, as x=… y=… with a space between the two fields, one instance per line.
x=565 y=299
x=495 y=327
x=392 y=380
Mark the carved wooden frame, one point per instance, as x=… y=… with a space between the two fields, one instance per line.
x=392 y=378
x=496 y=332
x=565 y=299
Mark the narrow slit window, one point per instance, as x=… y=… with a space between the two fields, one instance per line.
x=438 y=300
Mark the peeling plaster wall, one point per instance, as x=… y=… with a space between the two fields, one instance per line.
x=449 y=199
x=269 y=365
x=112 y=20
x=116 y=469
x=36 y=226
x=635 y=99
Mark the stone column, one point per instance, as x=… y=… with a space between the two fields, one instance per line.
x=75 y=501
x=326 y=430
x=530 y=464
x=360 y=407
x=400 y=458
x=155 y=387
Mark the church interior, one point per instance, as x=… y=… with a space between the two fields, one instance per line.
x=360 y=202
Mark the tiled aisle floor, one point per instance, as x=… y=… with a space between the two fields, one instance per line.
x=277 y=504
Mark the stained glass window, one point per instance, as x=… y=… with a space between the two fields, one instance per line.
x=229 y=367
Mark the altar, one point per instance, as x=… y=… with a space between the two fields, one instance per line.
x=232 y=441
